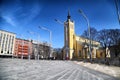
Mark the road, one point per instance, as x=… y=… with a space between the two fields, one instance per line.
x=17 y=69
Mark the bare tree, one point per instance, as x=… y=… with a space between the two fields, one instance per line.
x=103 y=37
x=110 y=37
x=114 y=35
x=93 y=33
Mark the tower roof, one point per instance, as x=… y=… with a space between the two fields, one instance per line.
x=68 y=17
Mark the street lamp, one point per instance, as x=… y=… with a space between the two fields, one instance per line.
x=29 y=55
x=83 y=14
x=37 y=44
x=66 y=47
x=22 y=43
x=117 y=9
x=50 y=38
x=58 y=21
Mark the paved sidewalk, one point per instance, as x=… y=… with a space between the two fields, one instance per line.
x=111 y=70
x=17 y=69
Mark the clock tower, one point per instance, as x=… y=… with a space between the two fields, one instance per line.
x=68 y=38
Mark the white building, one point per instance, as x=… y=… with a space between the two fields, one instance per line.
x=7 y=42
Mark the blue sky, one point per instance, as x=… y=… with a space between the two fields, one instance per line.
x=21 y=16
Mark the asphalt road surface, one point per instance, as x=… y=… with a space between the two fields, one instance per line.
x=18 y=69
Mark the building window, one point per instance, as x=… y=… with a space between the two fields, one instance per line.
x=2 y=46
x=5 y=48
x=9 y=40
x=0 y=38
x=4 y=35
x=11 y=49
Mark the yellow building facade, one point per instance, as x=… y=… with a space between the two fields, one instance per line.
x=76 y=47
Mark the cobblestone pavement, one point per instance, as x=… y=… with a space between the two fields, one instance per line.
x=17 y=69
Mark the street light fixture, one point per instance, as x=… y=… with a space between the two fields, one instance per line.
x=22 y=43
x=50 y=32
x=88 y=24
x=29 y=55
x=58 y=21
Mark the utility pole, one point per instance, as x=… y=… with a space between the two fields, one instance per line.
x=29 y=49
x=50 y=36
x=29 y=55
x=89 y=33
x=22 y=44
x=117 y=10
x=37 y=46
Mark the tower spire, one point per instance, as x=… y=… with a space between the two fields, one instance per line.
x=68 y=17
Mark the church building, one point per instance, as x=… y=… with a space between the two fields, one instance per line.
x=77 y=47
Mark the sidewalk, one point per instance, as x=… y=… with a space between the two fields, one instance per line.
x=110 y=70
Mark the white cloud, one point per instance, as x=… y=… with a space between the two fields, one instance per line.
x=35 y=10
x=9 y=20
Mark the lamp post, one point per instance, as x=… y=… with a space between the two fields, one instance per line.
x=22 y=49
x=66 y=47
x=88 y=24
x=29 y=55
x=22 y=43
x=117 y=10
x=37 y=44
x=50 y=34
